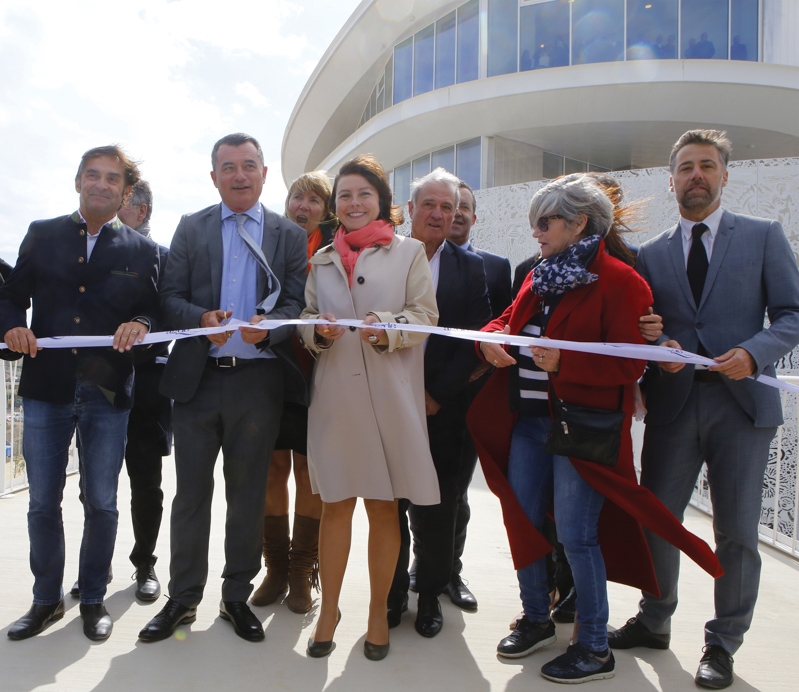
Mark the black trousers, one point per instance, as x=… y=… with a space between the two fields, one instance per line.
x=235 y=410
x=149 y=440
x=433 y=526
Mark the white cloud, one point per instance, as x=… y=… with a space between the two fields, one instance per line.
x=164 y=79
x=251 y=92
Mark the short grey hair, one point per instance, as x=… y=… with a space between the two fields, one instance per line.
x=572 y=196
x=142 y=194
x=439 y=175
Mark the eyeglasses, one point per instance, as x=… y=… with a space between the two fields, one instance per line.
x=543 y=221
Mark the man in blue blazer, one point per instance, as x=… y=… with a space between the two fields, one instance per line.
x=715 y=277
x=85 y=274
x=463 y=303
x=234 y=259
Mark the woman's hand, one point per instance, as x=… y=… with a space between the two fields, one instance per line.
x=495 y=354
x=650 y=325
x=328 y=331
x=548 y=359
x=371 y=336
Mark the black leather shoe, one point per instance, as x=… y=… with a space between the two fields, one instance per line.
x=429 y=619
x=397 y=605
x=715 y=668
x=565 y=608
x=245 y=623
x=460 y=595
x=375 y=652
x=163 y=625
x=97 y=624
x=634 y=633
x=147 y=586
x=322 y=649
x=36 y=620
x=75 y=590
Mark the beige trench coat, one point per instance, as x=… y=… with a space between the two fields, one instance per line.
x=367 y=429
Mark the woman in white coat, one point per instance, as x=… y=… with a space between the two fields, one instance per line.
x=367 y=431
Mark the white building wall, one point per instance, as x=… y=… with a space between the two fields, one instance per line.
x=767 y=188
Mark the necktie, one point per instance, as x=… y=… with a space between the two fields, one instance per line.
x=272 y=283
x=697 y=263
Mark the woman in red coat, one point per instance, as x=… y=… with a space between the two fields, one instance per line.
x=576 y=293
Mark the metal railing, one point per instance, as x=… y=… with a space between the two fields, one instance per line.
x=780 y=492
x=14 y=476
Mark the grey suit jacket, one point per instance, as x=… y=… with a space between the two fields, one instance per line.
x=192 y=286
x=752 y=274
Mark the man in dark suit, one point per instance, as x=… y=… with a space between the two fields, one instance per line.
x=86 y=274
x=497 y=271
x=714 y=278
x=149 y=427
x=463 y=303
x=234 y=259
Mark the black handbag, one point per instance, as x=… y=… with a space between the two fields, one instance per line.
x=591 y=434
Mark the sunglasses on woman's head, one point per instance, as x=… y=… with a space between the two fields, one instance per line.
x=543 y=221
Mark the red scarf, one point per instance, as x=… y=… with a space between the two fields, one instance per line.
x=350 y=245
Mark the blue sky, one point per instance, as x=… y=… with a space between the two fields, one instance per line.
x=165 y=79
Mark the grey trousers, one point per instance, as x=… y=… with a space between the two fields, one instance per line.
x=712 y=428
x=238 y=411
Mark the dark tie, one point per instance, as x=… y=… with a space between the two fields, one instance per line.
x=273 y=285
x=697 y=263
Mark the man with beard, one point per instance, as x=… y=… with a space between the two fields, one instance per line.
x=714 y=278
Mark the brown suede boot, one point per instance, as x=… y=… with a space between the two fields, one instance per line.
x=276 y=557
x=304 y=564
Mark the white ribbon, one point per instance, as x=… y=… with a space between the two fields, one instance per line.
x=635 y=351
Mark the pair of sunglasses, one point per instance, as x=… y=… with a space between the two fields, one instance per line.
x=543 y=222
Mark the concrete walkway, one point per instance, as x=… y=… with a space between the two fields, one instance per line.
x=208 y=656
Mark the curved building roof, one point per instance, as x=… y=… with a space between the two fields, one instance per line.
x=620 y=113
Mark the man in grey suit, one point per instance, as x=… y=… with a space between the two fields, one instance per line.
x=234 y=259
x=714 y=278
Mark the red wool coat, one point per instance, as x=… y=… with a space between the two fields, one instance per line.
x=605 y=311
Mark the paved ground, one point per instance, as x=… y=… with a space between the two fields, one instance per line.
x=208 y=656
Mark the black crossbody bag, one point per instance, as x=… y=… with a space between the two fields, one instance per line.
x=592 y=434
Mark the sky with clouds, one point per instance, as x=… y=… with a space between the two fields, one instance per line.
x=163 y=78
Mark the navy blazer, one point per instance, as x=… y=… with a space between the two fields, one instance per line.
x=463 y=303
x=752 y=273
x=75 y=297
x=497 y=271
x=193 y=285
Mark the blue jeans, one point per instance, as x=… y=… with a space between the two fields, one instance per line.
x=45 y=445
x=538 y=480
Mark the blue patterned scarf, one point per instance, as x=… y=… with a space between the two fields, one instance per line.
x=565 y=271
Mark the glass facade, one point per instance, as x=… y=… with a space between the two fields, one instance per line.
x=445 y=51
x=524 y=35
x=423 y=60
x=503 y=36
x=743 y=30
x=544 y=36
x=597 y=31
x=463 y=159
x=652 y=29
x=704 y=28
x=403 y=70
